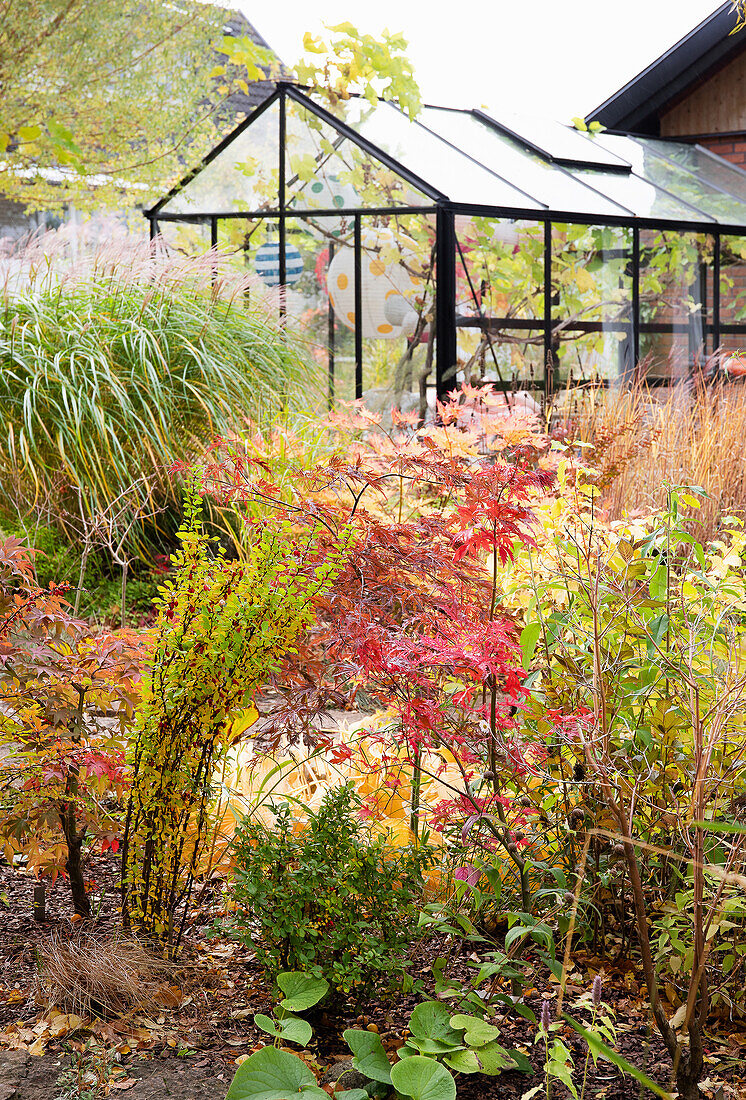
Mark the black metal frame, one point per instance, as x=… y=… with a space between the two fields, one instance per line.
x=445 y=209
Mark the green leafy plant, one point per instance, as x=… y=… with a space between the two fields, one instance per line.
x=302 y=991
x=223 y=627
x=440 y=1044
x=642 y=693
x=332 y=895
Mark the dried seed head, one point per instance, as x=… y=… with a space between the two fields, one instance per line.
x=596 y=991
x=546 y=1016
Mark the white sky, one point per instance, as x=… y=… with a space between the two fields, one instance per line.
x=547 y=57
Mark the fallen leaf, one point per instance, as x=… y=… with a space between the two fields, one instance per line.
x=123 y=1083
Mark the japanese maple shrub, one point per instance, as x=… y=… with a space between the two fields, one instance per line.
x=67 y=697
x=412 y=620
x=334 y=895
x=222 y=628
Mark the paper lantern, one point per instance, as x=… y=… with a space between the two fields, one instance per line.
x=267 y=263
x=327 y=193
x=388 y=288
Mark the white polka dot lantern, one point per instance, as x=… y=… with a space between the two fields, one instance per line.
x=267 y=263
x=388 y=288
x=327 y=193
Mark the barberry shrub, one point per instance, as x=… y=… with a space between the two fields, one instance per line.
x=333 y=897
x=222 y=629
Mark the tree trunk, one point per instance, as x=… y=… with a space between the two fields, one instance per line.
x=687 y=1081
x=74 y=869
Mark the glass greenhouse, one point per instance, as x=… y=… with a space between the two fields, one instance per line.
x=459 y=247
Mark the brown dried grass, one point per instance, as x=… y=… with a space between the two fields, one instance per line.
x=643 y=440
x=102 y=975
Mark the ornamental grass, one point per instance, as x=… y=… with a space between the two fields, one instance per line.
x=643 y=440
x=118 y=369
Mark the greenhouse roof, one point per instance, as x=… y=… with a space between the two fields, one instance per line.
x=471 y=159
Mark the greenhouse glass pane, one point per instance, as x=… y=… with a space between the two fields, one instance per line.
x=237 y=240
x=674 y=307
x=707 y=167
x=327 y=171
x=553 y=186
x=397 y=321
x=733 y=282
x=643 y=199
x=592 y=300
x=684 y=185
x=330 y=346
x=424 y=154
x=242 y=176
x=508 y=359
x=499 y=269
x=559 y=142
x=187 y=238
x=587 y=357
x=591 y=273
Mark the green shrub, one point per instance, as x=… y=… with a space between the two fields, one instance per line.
x=333 y=897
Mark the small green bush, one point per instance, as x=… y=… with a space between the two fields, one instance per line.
x=333 y=898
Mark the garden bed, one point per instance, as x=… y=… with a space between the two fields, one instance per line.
x=189 y=1049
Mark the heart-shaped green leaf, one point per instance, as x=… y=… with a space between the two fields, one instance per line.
x=301 y=990
x=295 y=1030
x=369 y=1055
x=423 y=1079
x=430 y=1026
x=289 y=1028
x=462 y=1061
x=351 y=1094
x=266 y=1023
x=493 y=1059
x=477 y=1033
x=272 y=1074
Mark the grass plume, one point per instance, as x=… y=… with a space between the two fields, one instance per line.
x=120 y=366
x=644 y=439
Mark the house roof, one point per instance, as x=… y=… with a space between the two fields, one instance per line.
x=243 y=103
x=638 y=105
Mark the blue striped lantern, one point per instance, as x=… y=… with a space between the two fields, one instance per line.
x=267 y=263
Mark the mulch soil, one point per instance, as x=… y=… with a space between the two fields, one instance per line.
x=188 y=1047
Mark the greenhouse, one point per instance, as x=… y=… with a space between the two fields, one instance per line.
x=417 y=254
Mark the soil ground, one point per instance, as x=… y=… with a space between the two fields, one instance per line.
x=188 y=1047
